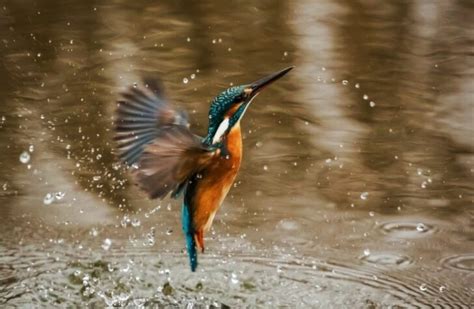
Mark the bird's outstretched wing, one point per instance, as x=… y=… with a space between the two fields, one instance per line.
x=155 y=140
x=141 y=114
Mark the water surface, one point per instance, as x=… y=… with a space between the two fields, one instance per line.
x=356 y=187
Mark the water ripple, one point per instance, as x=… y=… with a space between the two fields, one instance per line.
x=459 y=262
x=116 y=278
x=407 y=230
x=387 y=259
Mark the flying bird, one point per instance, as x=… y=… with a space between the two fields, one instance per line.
x=163 y=155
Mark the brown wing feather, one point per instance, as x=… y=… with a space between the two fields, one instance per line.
x=141 y=114
x=173 y=156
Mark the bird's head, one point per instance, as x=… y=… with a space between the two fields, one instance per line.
x=230 y=105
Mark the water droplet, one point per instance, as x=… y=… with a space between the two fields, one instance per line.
x=140 y=302
x=116 y=166
x=25 y=157
x=106 y=244
x=423 y=287
x=357 y=85
x=364 y=195
x=214 y=41
x=136 y=222
x=96 y=178
x=234 y=279
x=424 y=184
x=185 y=80
x=31 y=148
x=88 y=291
x=372 y=104
x=285 y=54
x=48 y=199
x=59 y=195
x=442 y=289
x=188 y=39
x=265 y=168
x=169 y=231
x=365 y=97
x=125 y=221
x=193 y=76
x=420 y=227
x=366 y=252
x=345 y=82
x=150 y=238
x=93 y=232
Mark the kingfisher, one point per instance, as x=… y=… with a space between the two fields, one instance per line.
x=155 y=141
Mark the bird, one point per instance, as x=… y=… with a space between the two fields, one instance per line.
x=155 y=142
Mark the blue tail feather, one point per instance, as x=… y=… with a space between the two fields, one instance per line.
x=189 y=233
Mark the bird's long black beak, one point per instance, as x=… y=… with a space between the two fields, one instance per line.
x=257 y=86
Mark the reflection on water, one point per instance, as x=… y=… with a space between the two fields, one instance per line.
x=357 y=173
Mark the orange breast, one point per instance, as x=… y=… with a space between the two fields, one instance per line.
x=216 y=181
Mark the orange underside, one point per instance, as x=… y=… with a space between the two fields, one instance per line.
x=215 y=184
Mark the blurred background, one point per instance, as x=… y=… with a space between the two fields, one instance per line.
x=356 y=187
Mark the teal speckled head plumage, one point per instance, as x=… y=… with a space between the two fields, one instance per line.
x=232 y=104
x=220 y=105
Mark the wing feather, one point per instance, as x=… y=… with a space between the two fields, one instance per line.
x=155 y=140
x=173 y=157
x=141 y=114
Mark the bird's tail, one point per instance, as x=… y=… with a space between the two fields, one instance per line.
x=189 y=233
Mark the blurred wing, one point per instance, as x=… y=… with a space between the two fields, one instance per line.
x=173 y=157
x=141 y=114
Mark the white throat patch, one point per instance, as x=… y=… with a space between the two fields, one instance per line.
x=221 y=130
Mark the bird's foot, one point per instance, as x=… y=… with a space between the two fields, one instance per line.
x=199 y=237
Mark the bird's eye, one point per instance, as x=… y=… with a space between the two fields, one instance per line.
x=239 y=98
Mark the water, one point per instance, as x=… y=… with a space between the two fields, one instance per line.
x=356 y=187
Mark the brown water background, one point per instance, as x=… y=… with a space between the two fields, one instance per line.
x=356 y=188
